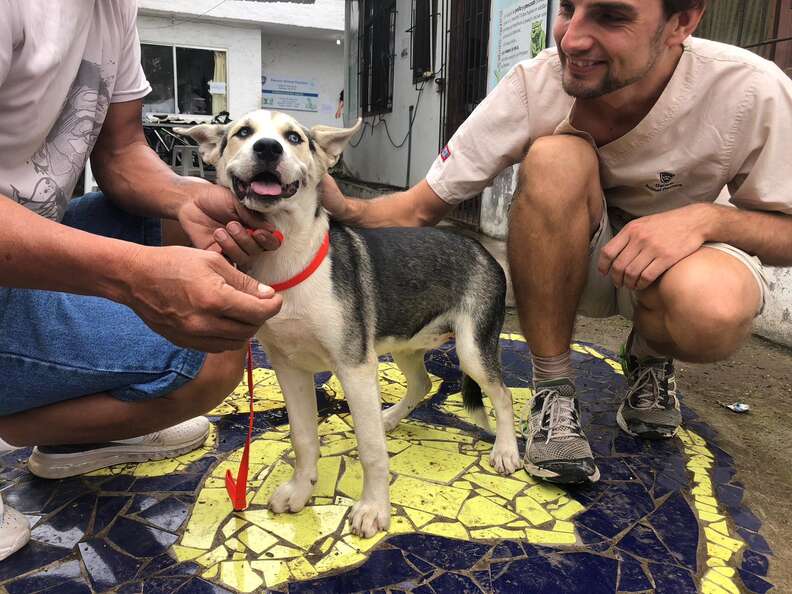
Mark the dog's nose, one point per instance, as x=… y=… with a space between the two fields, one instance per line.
x=268 y=150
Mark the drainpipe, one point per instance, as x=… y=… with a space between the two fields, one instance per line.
x=409 y=145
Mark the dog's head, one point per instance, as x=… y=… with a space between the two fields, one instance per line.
x=267 y=158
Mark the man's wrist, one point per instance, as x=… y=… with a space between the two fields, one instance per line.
x=712 y=220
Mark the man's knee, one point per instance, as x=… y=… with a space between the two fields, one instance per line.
x=219 y=376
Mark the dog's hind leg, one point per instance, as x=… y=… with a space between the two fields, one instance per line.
x=480 y=360
x=300 y=396
x=361 y=388
x=412 y=366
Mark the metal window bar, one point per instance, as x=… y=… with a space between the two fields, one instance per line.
x=423 y=38
x=377 y=51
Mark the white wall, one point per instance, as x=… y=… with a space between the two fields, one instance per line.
x=376 y=159
x=307 y=59
x=776 y=321
x=243 y=45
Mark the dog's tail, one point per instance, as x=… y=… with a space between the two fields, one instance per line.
x=473 y=399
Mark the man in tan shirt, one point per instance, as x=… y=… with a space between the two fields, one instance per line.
x=625 y=136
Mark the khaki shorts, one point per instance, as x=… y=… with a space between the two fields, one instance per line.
x=602 y=300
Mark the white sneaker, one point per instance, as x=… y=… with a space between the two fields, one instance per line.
x=14 y=530
x=56 y=462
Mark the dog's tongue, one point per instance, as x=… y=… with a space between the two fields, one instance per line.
x=266 y=188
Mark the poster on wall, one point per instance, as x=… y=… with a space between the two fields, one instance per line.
x=518 y=31
x=285 y=93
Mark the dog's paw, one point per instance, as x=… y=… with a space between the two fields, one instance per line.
x=291 y=496
x=505 y=459
x=391 y=419
x=368 y=518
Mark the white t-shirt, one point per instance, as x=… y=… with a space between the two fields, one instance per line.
x=62 y=62
x=724 y=119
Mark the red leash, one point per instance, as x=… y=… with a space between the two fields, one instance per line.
x=237 y=489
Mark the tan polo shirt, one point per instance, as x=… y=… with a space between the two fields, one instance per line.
x=725 y=119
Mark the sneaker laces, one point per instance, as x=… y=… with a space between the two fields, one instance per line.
x=645 y=392
x=559 y=417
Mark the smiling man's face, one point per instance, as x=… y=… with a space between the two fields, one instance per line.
x=606 y=45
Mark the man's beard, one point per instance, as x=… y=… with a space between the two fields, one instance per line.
x=610 y=83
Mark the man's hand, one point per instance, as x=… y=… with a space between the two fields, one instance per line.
x=333 y=200
x=647 y=247
x=215 y=221
x=196 y=299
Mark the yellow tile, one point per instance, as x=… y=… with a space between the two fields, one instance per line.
x=211 y=572
x=703 y=507
x=702 y=491
x=721 y=580
x=480 y=511
x=708 y=587
x=233 y=525
x=447 y=529
x=707 y=500
x=301 y=569
x=396 y=445
x=425 y=463
x=496 y=532
x=560 y=526
x=157 y=468
x=720 y=527
x=709 y=517
x=345 y=501
x=282 y=552
x=726 y=571
x=412 y=431
x=484 y=492
x=213 y=557
x=274 y=572
x=363 y=545
x=239 y=556
x=322 y=501
x=326 y=545
x=428 y=497
x=351 y=483
x=186 y=553
x=235 y=545
x=718 y=552
x=211 y=508
x=339 y=446
x=333 y=424
x=302 y=529
x=715 y=562
x=549 y=537
x=257 y=539
x=340 y=556
x=400 y=525
x=699 y=461
x=482 y=446
x=544 y=493
x=418 y=517
x=505 y=487
x=532 y=511
x=328 y=469
x=449 y=446
x=462 y=485
x=724 y=541
x=240 y=575
x=280 y=473
x=568 y=510
x=519 y=524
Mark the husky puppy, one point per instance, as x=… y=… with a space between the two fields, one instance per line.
x=398 y=291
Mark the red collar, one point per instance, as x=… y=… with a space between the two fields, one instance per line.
x=309 y=270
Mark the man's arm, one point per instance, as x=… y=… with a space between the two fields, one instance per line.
x=763 y=234
x=419 y=206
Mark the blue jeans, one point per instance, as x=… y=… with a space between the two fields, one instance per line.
x=57 y=346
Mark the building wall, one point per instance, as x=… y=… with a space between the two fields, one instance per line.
x=307 y=59
x=375 y=159
x=243 y=45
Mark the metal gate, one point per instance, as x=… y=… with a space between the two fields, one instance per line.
x=467 y=80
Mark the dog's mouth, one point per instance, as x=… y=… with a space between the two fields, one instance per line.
x=266 y=186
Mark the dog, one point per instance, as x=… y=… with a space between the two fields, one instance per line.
x=399 y=290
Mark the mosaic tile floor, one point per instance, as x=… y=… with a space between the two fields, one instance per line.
x=666 y=517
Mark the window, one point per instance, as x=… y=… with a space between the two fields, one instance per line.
x=424 y=38
x=184 y=80
x=377 y=38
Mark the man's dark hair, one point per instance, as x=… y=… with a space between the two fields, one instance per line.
x=674 y=6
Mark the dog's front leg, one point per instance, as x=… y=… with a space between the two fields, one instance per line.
x=300 y=396
x=361 y=388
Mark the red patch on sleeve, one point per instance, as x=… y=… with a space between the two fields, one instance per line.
x=445 y=153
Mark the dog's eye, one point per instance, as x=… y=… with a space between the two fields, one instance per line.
x=244 y=131
x=294 y=138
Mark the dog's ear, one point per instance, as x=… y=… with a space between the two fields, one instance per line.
x=333 y=141
x=210 y=139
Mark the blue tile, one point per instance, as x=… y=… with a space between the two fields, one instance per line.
x=163 y=585
x=169 y=514
x=571 y=573
x=134 y=588
x=141 y=503
x=106 y=567
x=755 y=563
x=46 y=578
x=642 y=542
x=68 y=526
x=614 y=469
x=421 y=565
x=670 y=579
x=729 y=495
x=199 y=586
x=723 y=474
x=422 y=589
x=28 y=496
x=484 y=580
x=183 y=569
x=507 y=550
x=619 y=506
x=632 y=577
x=754 y=541
x=78 y=586
x=453 y=583
x=140 y=540
x=678 y=528
x=33 y=555
x=173 y=483
x=66 y=491
x=744 y=518
x=754 y=583
x=107 y=510
x=442 y=552
x=383 y=568
x=120 y=483
x=156 y=565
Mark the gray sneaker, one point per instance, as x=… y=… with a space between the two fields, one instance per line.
x=556 y=449
x=650 y=408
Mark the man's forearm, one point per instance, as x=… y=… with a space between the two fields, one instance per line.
x=37 y=253
x=763 y=234
x=417 y=207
